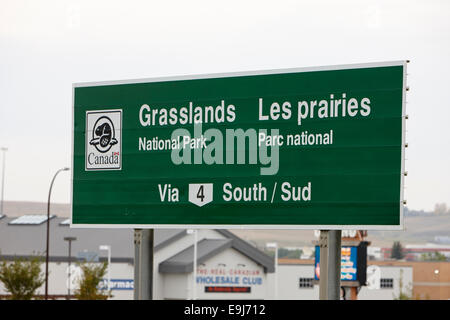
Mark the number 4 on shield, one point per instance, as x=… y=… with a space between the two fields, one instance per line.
x=200 y=193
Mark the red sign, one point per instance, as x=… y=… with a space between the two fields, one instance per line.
x=228 y=289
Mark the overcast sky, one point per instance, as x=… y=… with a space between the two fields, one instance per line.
x=47 y=45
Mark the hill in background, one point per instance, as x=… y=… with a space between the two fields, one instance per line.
x=420 y=227
x=20 y=208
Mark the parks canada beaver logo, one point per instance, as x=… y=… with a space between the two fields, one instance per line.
x=103 y=135
x=103 y=140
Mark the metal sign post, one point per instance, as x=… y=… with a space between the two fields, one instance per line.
x=330 y=264
x=143 y=264
x=323 y=244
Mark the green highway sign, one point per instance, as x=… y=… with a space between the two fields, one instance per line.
x=311 y=148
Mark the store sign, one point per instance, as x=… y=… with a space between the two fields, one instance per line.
x=315 y=148
x=117 y=284
x=228 y=290
x=353 y=263
x=229 y=276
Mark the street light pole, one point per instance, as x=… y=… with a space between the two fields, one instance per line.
x=3 y=177
x=69 y=239
x=48 y=231
x=108 y=248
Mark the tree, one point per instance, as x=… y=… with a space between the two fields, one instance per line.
x=22 y=277
x=433 y=256
x=92 y=274
x=440 y=208
x=289 y=254
x=397 y=251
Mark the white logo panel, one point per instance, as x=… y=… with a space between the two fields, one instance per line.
x=104 y=140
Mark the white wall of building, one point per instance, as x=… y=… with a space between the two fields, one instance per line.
x=232 y=264
x=175 y=287
x=289 y=283
x=171 y=250
x=227 y=266
x=390 y=272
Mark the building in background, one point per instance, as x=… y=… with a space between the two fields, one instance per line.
x=227 y=266
x=297 y=281
x=415 y=252
x=415 y=279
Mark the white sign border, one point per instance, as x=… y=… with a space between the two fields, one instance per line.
x=253 y=73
